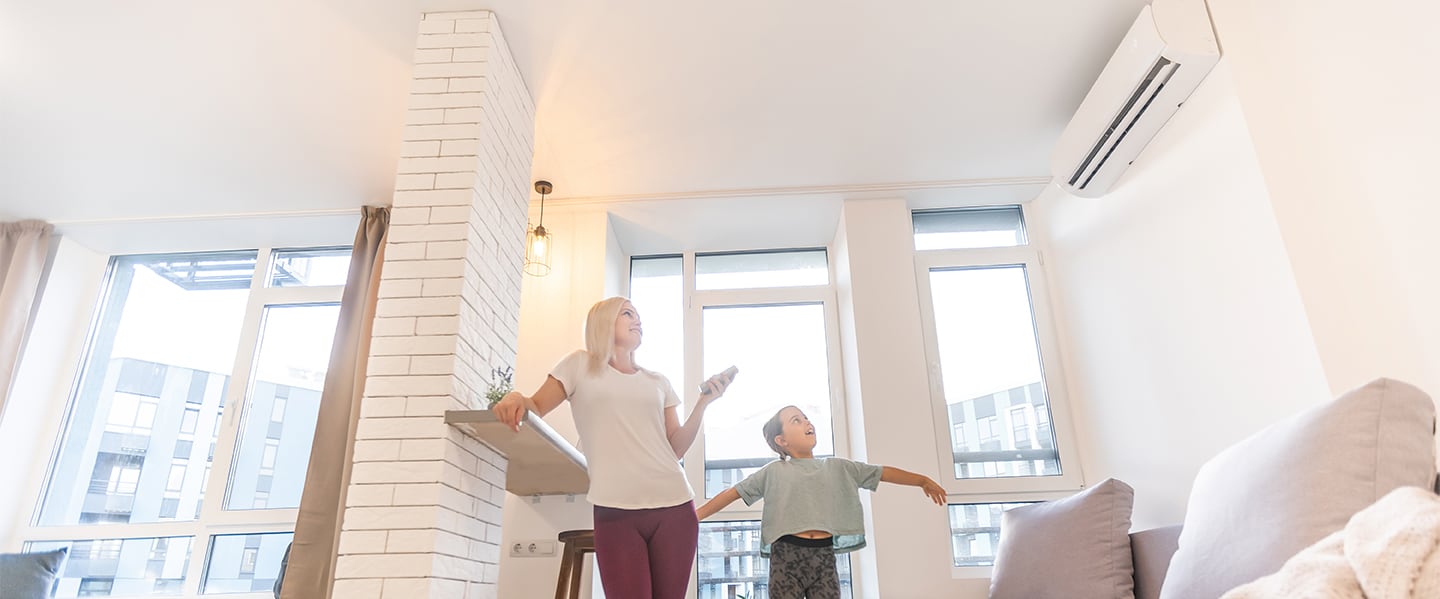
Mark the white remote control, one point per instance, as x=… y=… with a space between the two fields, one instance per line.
x=728 y=374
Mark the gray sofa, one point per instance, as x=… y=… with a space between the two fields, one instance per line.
x=1151 y=551
x=1259 y=502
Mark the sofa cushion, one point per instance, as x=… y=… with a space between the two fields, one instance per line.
x=1264 y=499
x=30 y=575
x=1073 y=548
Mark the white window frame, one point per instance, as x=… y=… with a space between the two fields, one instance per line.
x=1012 y=488
x=694 y=343
x=696 y=302
x=213 y=520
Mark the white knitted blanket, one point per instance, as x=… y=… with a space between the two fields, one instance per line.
x=1390 y=550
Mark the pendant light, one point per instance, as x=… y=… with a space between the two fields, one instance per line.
x=538 y=244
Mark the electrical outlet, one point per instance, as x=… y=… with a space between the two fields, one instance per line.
x=532 y=548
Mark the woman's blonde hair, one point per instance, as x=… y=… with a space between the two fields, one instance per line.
x=773 y=427
x=600 y=332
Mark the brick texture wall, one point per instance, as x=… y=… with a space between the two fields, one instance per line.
x=423 y=512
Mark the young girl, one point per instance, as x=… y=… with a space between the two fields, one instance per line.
x=812 y=507
x=631 y=433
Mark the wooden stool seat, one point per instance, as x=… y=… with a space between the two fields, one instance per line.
x=576 y=543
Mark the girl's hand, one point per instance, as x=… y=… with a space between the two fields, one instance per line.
x=933 y=490
x=511 y=410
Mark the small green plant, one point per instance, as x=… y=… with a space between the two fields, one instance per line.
x=500 y=384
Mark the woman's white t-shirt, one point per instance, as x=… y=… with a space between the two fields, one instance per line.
x=621 y=421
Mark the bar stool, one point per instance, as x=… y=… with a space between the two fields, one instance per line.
x=576 y=543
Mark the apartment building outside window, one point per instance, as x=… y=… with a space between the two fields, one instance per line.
x=192 y=416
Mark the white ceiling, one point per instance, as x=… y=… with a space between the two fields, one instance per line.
x=167 y=108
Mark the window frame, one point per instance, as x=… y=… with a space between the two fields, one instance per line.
x=695 y=302
x=1030 y=258
x=213 y=520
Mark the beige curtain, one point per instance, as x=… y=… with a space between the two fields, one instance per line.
x=311 y=565
x=24 y=247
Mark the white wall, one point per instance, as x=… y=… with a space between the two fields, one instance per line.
x=42 y=385
x=1183 y=330
x=1340 y=101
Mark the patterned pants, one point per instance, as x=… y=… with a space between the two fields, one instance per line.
x=798 y=572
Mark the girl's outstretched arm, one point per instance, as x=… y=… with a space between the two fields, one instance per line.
x=904 y=477
x=717 y=503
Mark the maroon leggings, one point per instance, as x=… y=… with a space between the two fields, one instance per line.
x=646 y=554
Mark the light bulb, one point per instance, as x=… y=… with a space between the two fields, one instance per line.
x=539 y=246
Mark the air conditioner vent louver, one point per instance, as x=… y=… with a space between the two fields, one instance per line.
x=1144 y=95
x=1135 y=95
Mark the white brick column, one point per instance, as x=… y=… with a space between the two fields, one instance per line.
x=424 y=505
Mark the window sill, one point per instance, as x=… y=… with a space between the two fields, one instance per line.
x=970 y=572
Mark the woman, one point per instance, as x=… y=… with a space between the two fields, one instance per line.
x=629 y=424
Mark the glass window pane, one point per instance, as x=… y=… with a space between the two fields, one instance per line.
x=290 y=367
x=309 y=268
x=730 y=565
x=990 y=370
x=164 y=344
x=657 y=288
x=969 y=228
x=975 y=532
x=790 y=367
x=796 y=268
x=244 y=563
x=116 y=567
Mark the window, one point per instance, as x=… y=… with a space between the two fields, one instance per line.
x=1021 y=426
x=131 y=414
x=969 y=228
x=759 y=270
x=189 y=421
x=975 y=532
x=995 y=382
x=154 y=412
x=244 y=563
x=790 y=368
x=177 y=477
x=122 y=567
x=310 y=268
x=703 y=313
x=730 y=565
x=657 y=288
x=289 y=371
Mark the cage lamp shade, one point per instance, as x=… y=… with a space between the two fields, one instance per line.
x=537 y=251
x=538 y=244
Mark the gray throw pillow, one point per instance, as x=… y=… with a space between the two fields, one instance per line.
x=30 y=575
x=1073 y=548
x=1264 y=499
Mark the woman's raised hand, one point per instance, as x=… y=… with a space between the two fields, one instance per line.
x=715 y=386
x=511 y=410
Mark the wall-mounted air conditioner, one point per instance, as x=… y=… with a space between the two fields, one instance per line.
x=1168 y=51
